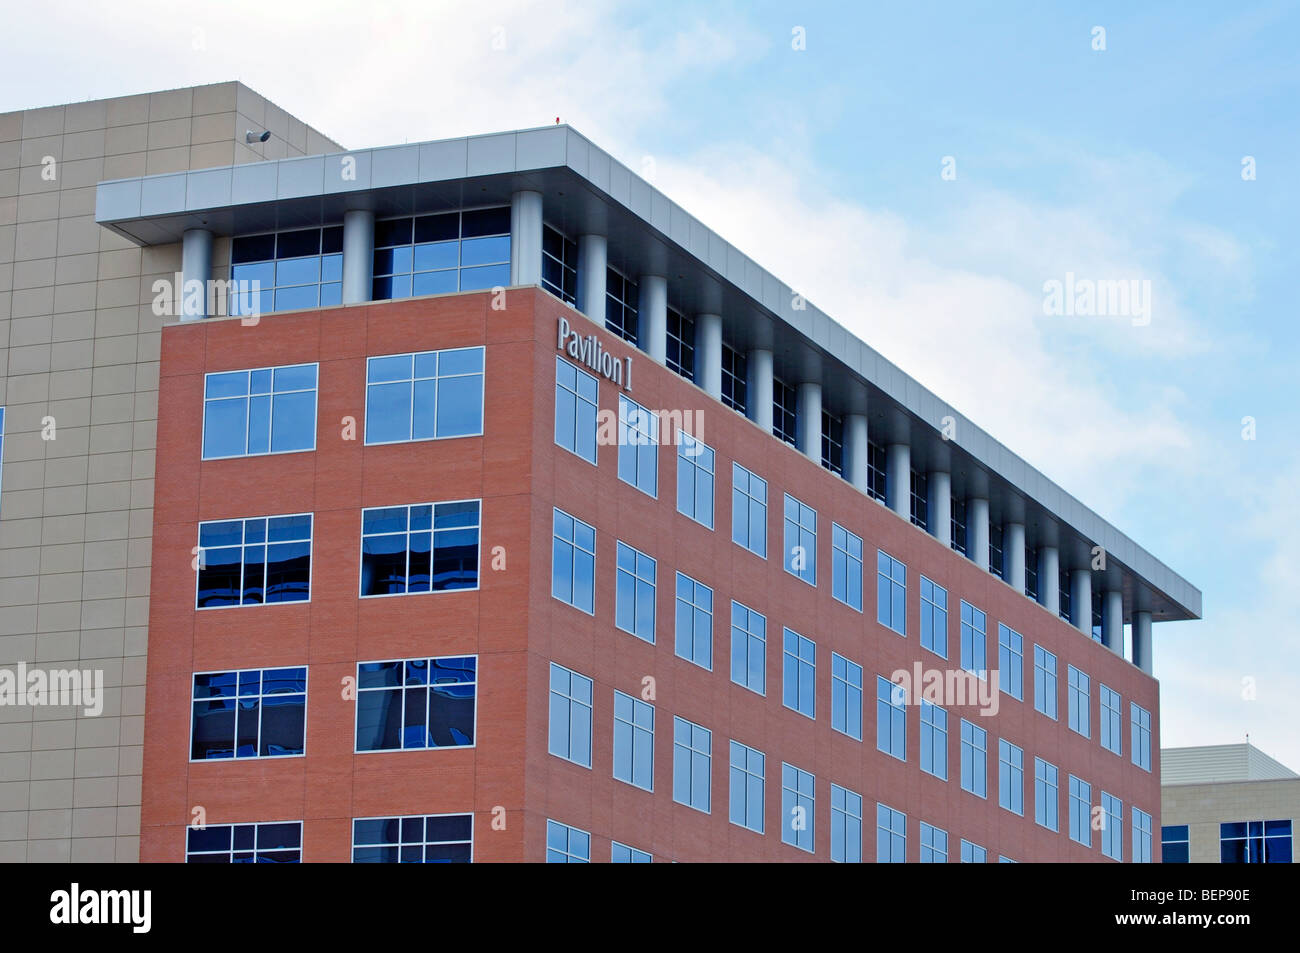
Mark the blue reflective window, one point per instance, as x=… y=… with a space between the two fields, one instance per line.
x=798 y=807
x=746 y=786
x=1011 y=662
x=638 y=446
x=846 y=825
x=1140 y=743
x=934 y=740
x=974 y=759
x=1045 y=682
x=576 y=394
x=891 y=592
x=1046 y=794
x=442 y=253
x=634 y=600
x=973 y=853
x=282 y=271
x=934 y=844
x=974 y=640
x=267 y=410
x=559 y=265
x=799 y=674
x=567 y=845
x=415 y=704
x=800 y=540
x=623 y=854
x=846 y=566
x=1111 y=720
x=846 y=696
x=934 y=618
x=1011 y=777
x=419 y=839
x=1079 y=701
x=695 y=479
x=1175 y=845
x=1080 y=811
x=621 y=306
x=430 y=395
x=573 y=562
x=748 y=648
x=423 y=547
x=634 y=741
x=253 y=561
x=1141 y=837
x=692 y=764
x=1112 y=828
x=693 y=628
x=569 y=732
x=748 y=510
x=891 y=718
x=255 y=713
x=279 y=842
x=891 y=835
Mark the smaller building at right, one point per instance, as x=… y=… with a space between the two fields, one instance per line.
x=1229 y=804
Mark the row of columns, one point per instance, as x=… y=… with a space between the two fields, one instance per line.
x=526 y=227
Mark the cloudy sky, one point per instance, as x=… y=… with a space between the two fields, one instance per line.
x=814 y=137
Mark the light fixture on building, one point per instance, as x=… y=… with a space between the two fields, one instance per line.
x=251 y=136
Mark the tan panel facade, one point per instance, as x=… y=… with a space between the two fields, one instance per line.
x=1203 y=807
x=79 y=381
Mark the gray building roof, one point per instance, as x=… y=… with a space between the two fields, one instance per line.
x=1211 y=764
x=587 y=191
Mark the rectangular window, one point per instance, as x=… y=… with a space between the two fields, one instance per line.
x=974 y=651
x=1045 y=682
x=277 y=842
x=974 y=759
x=876 y=471
x=621 y=306
x=846 y=566
x=1031 y=573
x=1011 y=777
x=797 y=807
x=694 y=622
x=1079 y=701
x=692 y=764
x=576 y=396
x=1046 y=795
x=254 y=713
x=1175 y=845
x=1111 y=733
x=832 y=443
x=748 y=510
x=1140 y=742
x=799 y=674
x=891 y=835
x=634 y=741
x=1141 y=837
x=1063 y=588
x=846 y=696
x=784 y=419
x=891 y=718
x=267 y=410
x=919 y=499
x=569 y=736
x=256 y=561
x=748 y=648
x=573 y=562
x=735 y=371
x=934 y=844
x=634 y=599
x=1004 y=859
x=638 y=446
x=746 y=788
x=695 y=479
x=292 y=270
x=995 y=549
x=427 y=839
x=973 y=853
x=934 y=618
x=1256 y=842
x=1112 y=831
x=1011 y=662
x=566 y=845
x=680 y=356
x=623 y=854
x=442 y=253
x=934 y=740
x=800 y=540
x=424 y=547
x=891 y=593
x=559 y=265
x=1080 y=811
x=957 y=524
x=846 y=826
x=431 y=395
x=415 y=704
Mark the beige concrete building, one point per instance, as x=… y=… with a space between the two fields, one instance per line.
x=78 y=387
x=1227 y=804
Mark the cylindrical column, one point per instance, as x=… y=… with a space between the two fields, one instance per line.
x=808 y=419
x=758 y=387
x=1013 y=555
x=1081 y=600
x=196 y=266
x=857 y=454
x=652 y=316
x=592 y=263
x=358 y=256
x=1112 y=621
x=526 y=238
x=977 y=531
x=938 y=505
x=1049 y=579
x=708 y=354
x=898 y=479
x=1142 y=640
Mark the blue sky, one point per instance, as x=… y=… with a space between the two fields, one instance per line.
x=824 y=164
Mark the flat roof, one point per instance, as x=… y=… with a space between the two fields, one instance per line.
x=587 y=191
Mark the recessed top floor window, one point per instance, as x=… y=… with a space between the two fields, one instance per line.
x=920 y=503
x=265 y=410
x=428 y=395
x=735 y=373
x=620 y=306
x=254 y=713
x=784 y=405
x=297 y=269
x=255 y=561
x=832 y=442
x=424 y=547
x=995 y=549
x=681 y=344
x=876 y=471
x=439 y=254
x=559 y=265
x=957 y=524
x=416 y=704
